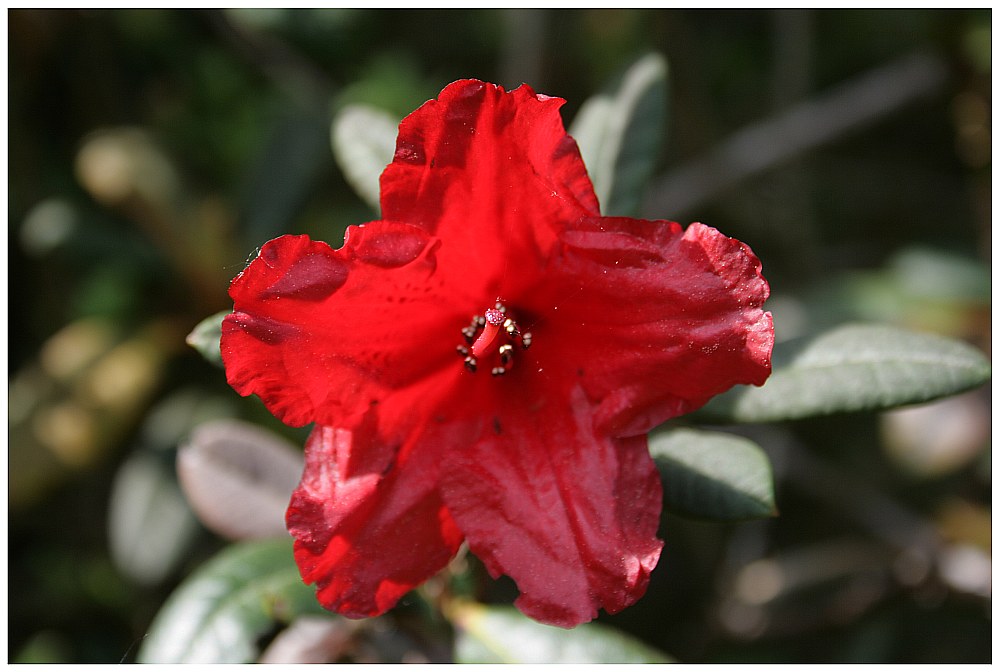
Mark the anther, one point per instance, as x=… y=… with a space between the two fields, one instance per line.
x=492 y=332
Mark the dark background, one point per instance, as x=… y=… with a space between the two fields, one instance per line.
x=152 y=151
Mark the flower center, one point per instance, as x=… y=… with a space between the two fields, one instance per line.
x=493 y=333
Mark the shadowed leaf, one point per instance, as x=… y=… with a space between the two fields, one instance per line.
x=712 y=475
x=220 y=612
x=206 y=336
x=620 y=134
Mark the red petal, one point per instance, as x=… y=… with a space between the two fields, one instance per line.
x=570 y=516
x=651 y=320
x=491 y=172
x=368 y=522
x=319 y=334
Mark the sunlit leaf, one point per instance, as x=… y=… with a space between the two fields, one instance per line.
x=712 y=475
x=620 y=133
x=149 y=525
x=206 y=336
x=219 y=613
x=856 y=368
x=310 y=640
x=239 y=478
x=493 y=634
x=364 y=140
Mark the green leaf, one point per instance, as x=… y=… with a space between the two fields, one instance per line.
x=364 y=141
x=218 y=614
x=713 y=476
x=150 y=526
x=491 y=634
x=856 y=368
x=206 y=337
x=620 y=132
x=286 y=168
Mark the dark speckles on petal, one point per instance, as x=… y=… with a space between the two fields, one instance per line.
x=407 y=152
x=496 y=425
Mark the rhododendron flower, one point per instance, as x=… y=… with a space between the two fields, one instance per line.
x=484 y=362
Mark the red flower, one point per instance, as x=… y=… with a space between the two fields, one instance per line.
x=535 y=455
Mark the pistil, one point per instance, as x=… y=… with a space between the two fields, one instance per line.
x=493 y=332
x=486 y=342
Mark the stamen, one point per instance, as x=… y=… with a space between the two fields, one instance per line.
x=510 y=327
x=492 y=332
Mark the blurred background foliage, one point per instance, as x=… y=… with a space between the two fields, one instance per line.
x=152 y=151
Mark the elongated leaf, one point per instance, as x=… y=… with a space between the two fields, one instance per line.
x=856 y=368
x=364 y=140
x=220 y=611
x=207 y=335
x=620 y=133
x=149 y=525
x=239 y=478
x=712 y=475
x=489 y=634
x=285 y=171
